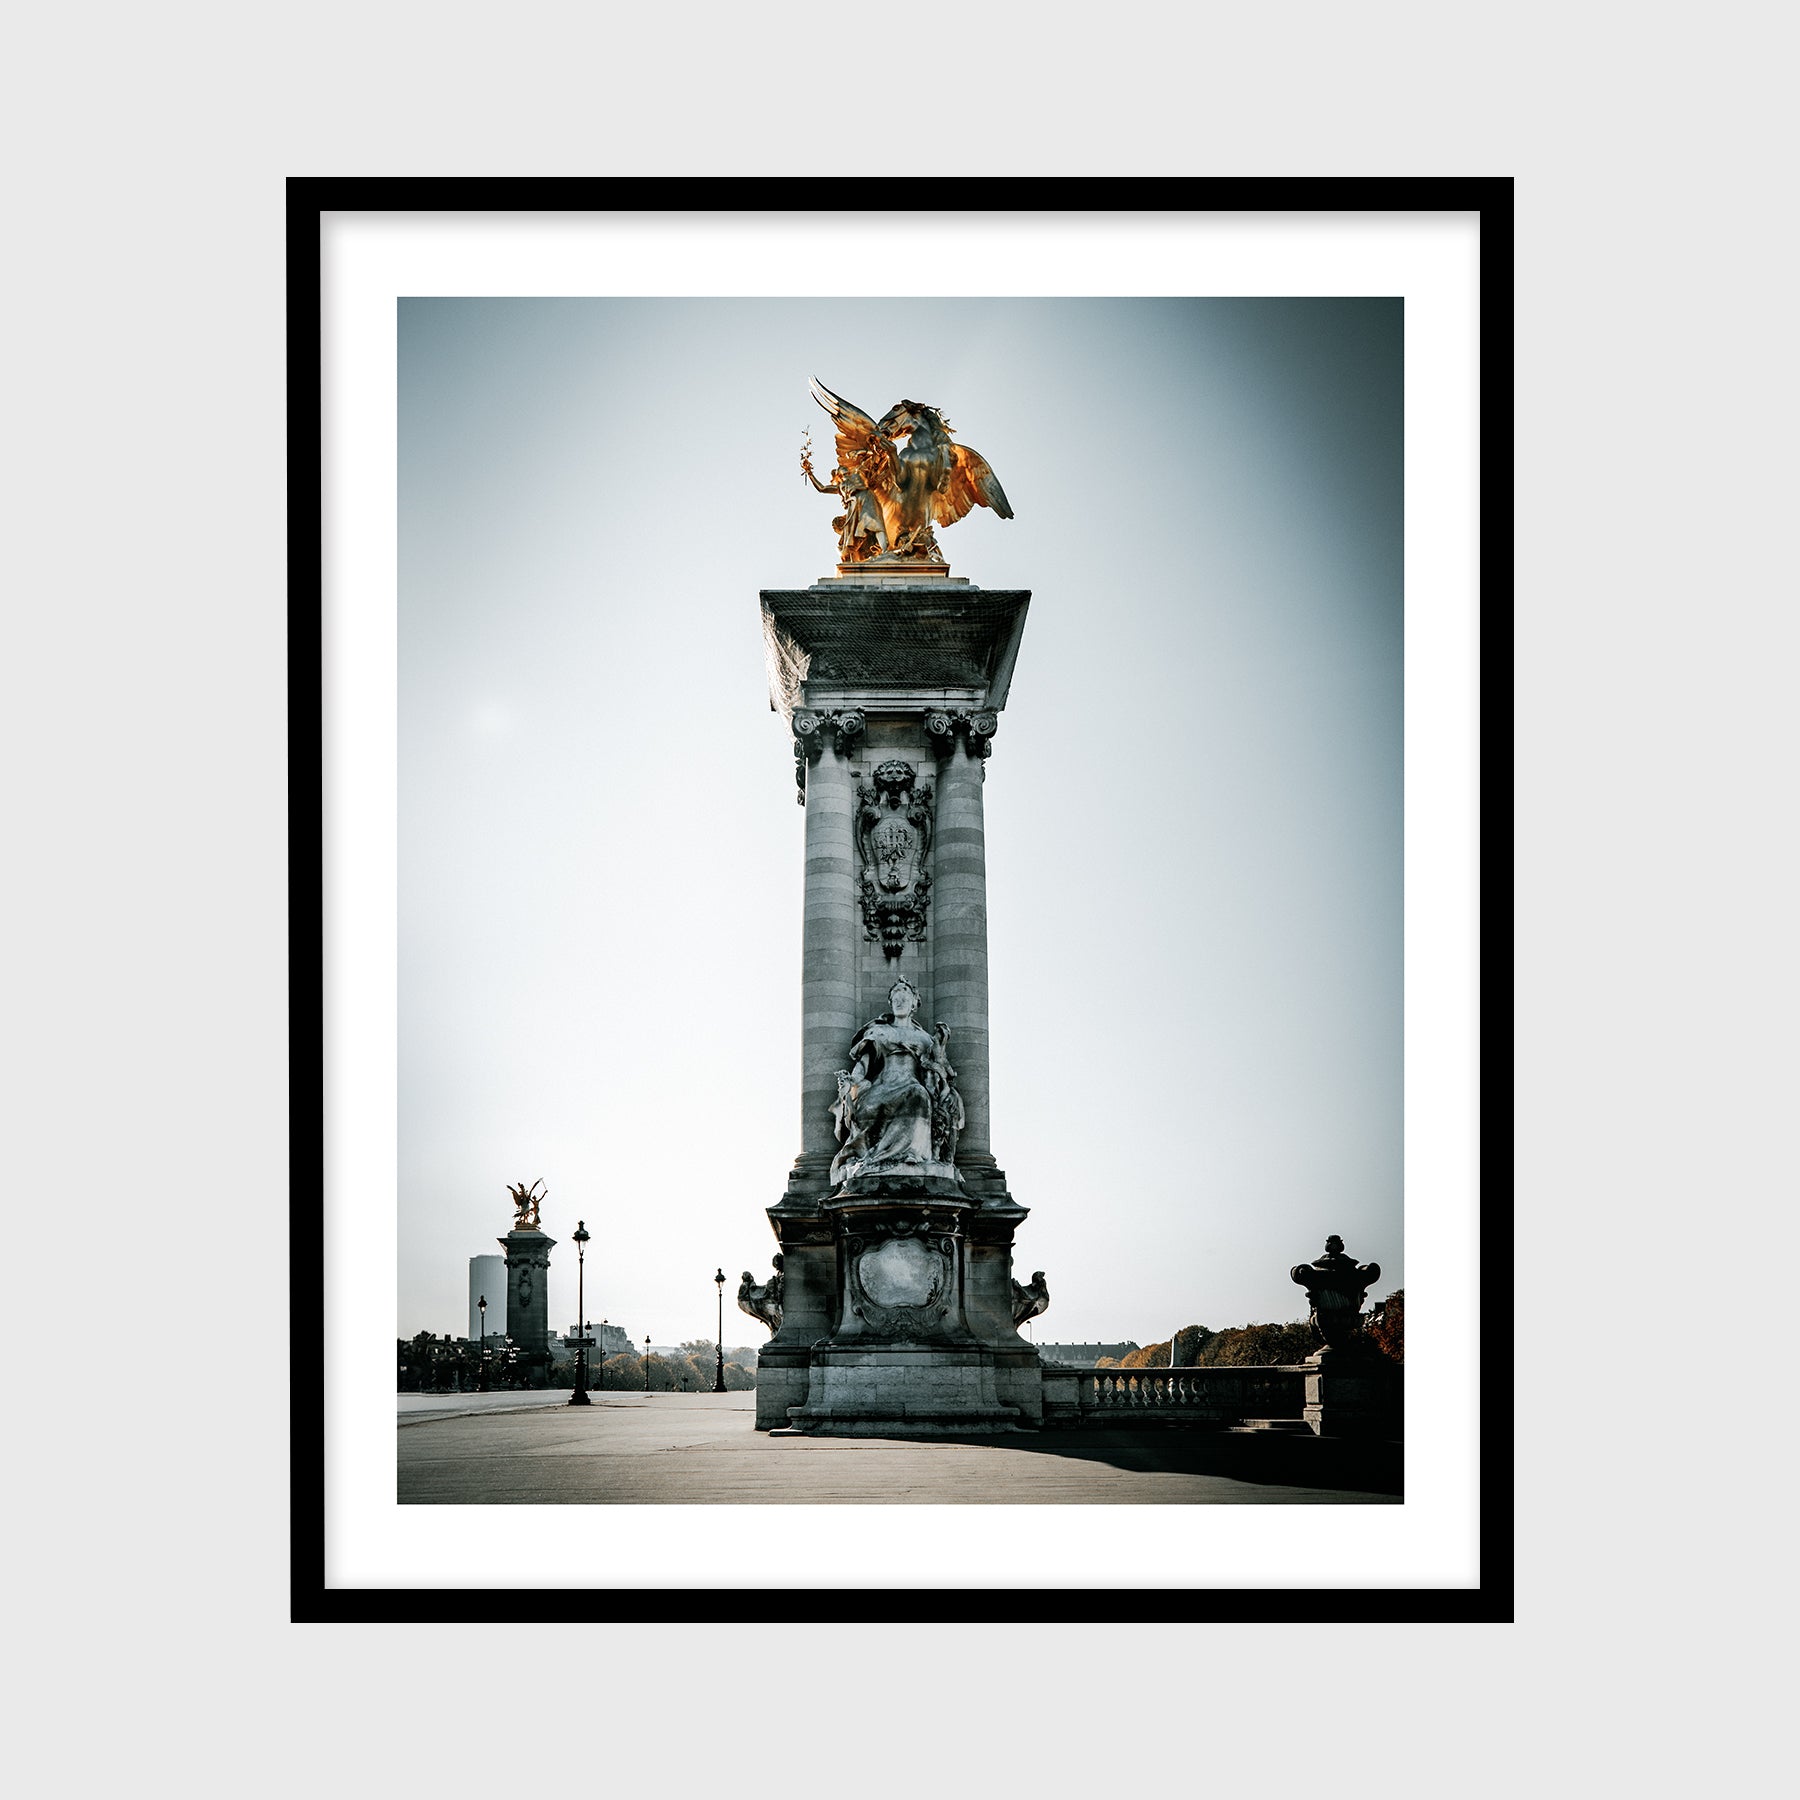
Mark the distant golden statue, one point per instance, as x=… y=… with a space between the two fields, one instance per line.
x=526 y=1201
x=898 y=477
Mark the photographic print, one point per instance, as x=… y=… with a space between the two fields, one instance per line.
x=899 y=937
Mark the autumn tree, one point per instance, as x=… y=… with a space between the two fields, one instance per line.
x=1386 y=1327
x=1258 y=1346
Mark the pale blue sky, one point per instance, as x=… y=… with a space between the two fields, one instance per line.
x=1193 y=807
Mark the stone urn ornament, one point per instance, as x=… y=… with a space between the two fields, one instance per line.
x=1336 y=1285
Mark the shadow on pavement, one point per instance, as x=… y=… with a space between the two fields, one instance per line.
x=1269 y=1459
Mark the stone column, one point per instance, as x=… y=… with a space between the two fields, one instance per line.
x=528 y=1297
x=959 y=932
x=828 y=941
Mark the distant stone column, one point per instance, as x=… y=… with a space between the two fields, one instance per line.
x=528 y=1297
x=959 y=926
x=828 y=944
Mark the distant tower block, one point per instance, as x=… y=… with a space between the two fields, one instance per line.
x=487 y=1277
x=896 y=1228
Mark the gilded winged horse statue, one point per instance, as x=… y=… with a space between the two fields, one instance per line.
x=899 y=476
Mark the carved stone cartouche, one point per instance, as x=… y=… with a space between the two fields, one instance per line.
x=893 y=839
x=900 y=1268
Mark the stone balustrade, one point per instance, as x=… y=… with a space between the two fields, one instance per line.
x=1224 y=1396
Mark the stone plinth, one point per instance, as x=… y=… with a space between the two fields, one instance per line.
x=902 y=1392
x=1352 y=1393
x=898 y=1285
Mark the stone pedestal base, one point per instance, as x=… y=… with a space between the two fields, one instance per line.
x=783 y=1373
x=927 y=1392
x=898 y=1317
x=895 y=569
x=1352 y=1394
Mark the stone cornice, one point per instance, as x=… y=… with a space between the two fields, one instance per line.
x=894 y=636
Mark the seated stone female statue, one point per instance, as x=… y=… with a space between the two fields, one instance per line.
x=893 y=1100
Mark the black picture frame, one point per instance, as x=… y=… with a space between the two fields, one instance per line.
x=312 y=1601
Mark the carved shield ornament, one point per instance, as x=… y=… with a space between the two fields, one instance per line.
x=896 y=845
x=893 y=839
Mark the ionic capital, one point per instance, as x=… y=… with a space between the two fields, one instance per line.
x=976 y=729
x=812 y=729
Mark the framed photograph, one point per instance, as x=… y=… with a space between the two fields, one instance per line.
x=1054 y=1110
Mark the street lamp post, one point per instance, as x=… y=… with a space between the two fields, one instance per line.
x=719 y=1378
x=646 y=1362
x=580 y=1395
x=481 y=1380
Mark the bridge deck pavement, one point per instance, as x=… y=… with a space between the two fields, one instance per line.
x=703 y=1450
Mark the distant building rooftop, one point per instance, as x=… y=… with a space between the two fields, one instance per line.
x=1080 y=1354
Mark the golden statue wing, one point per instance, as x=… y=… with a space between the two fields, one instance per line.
x=857 y=433
x=971 y=483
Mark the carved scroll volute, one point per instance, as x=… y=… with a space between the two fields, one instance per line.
x=812 y=730
x=975 y=728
